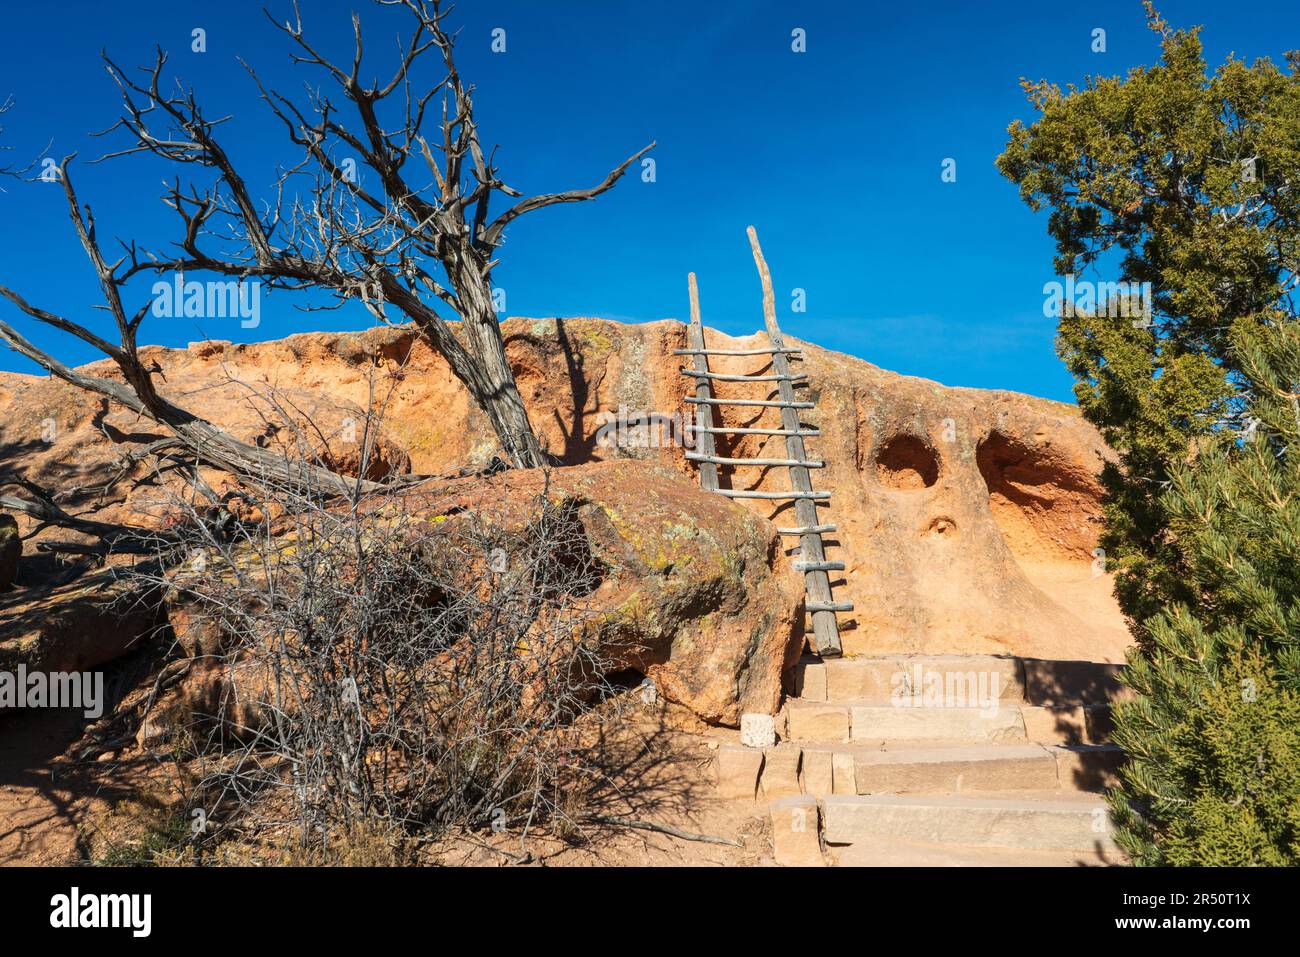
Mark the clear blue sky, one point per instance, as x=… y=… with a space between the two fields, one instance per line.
x=834 y=154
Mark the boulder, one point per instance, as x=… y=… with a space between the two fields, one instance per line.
x=79 y=625
x=694 y=591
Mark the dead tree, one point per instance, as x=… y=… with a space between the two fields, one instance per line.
x=323 y=230
x=195 y=438
x=420 y=231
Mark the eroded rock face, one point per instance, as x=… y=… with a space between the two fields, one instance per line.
x=967 y=518
x=976 y=514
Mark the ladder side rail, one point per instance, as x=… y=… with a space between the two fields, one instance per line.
x=826 y=631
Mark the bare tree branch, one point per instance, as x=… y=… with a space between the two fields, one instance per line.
x=209 y=443
x=377 y=242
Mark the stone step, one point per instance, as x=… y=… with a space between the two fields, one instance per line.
x=1049 y=820
x=895 y=852
x=1002 y=767
x=1087 y=767
x=1069 y=724
x=832 y=721
x=882 y=724
x=796 y=832
x=948 y=679
x=913 y=768
x=820 y=721
x=957 y=680
x=788 y=770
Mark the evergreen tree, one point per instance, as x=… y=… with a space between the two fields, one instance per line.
x=1191 y=181
x=1213 y=738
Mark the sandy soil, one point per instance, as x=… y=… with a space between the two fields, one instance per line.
x=55 y=810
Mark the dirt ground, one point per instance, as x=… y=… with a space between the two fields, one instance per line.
x=57 y=810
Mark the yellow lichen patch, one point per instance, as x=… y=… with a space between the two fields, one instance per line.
x=593 y=334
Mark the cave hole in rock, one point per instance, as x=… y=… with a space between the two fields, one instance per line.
x=1038 y=498
x=628 y=680
x=907 y=462
x=1013 y=470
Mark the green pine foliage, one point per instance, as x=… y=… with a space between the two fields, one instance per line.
x=1190 y=180
x=1213 y=737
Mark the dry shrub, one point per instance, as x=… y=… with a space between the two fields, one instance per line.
x=378 y=664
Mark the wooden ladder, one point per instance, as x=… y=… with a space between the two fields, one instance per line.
x=809 y=530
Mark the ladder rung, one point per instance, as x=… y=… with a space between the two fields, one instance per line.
x=741 y=493
x=718 y=460
x=807 y=433
x=801 y=566
x=723 y=377
x=806 y=530
x=829 y=606
x=735 y=352
x=777 y=403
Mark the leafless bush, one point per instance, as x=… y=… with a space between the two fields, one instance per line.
x=381 y=659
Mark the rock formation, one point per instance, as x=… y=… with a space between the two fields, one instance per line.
x=967 y=518
x=690 y=594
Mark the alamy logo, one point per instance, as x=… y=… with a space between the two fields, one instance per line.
x=214 y=299
x=1127 y=300
x=646 y=430
x=925 y=688
x=75 y=909
x=56 y=689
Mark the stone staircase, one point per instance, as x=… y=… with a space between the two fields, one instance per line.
x=960 y=760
